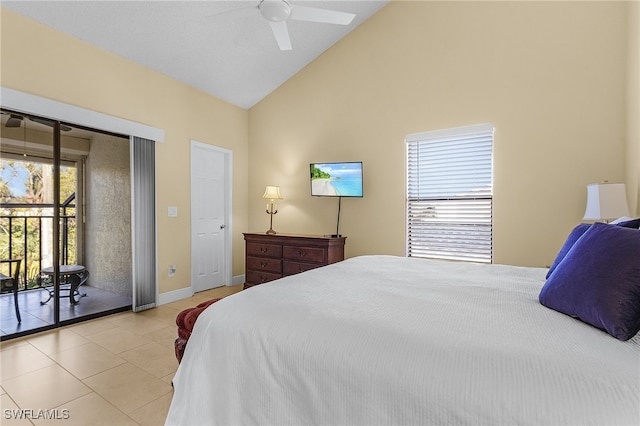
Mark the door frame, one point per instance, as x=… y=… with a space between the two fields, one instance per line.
x=228 y=248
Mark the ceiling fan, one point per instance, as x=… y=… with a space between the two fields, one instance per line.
x=277 y=12
x=15 y=120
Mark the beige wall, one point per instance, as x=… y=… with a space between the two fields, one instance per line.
x=550 y=76
x=50 y=64
x=633 y=109
x=556 y=79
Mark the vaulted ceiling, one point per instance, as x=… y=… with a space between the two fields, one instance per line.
x=225 y=48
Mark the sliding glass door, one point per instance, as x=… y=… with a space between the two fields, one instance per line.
x=27 y=216
x=66 y=214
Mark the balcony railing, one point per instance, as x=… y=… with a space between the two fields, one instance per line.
x=24 y=236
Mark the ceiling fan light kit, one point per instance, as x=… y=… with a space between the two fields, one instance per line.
x=14 y=120
x=275 y=10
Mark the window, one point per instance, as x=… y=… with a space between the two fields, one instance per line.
x=450 y=194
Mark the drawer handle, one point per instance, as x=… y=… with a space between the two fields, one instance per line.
x=302 y=253
x=263 y=264
x=263 y=279
x=263 y=249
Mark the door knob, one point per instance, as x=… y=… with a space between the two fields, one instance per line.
x=223 y=226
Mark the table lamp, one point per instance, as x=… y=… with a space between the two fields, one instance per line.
x=606 y=201
x=272 y=193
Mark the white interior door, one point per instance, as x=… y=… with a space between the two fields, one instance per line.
x=210 y=216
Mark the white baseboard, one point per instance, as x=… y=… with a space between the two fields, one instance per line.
x=238 y=279
x=183 y=293
x=174 y=296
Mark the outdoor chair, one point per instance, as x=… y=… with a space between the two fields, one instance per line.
x=11 y=281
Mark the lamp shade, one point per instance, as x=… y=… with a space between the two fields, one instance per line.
x=606 y=201
x=272 y=193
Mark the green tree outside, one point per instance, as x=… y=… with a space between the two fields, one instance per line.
x=25 y=182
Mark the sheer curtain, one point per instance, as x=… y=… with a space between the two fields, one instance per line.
x=143 y=223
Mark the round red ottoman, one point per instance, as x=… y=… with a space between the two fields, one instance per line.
x=185 y=322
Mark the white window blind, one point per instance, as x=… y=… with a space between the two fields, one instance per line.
x=450 y=194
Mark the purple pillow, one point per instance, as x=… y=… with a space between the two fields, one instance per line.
x=633 y=223
x=571 y=240
x=577 y=233
x=598 y=280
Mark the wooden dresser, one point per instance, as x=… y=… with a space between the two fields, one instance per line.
x=269 y=257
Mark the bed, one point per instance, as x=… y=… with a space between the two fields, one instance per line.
x=395 y=340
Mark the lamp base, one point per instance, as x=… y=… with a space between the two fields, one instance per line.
x=271 y=213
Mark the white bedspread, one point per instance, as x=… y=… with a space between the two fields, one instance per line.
x=394 y=340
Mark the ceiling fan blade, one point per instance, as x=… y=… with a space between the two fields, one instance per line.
x=325 y=16
x=281 y=33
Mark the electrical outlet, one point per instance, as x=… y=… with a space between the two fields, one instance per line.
x=172 y=270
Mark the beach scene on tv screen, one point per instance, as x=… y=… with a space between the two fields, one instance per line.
x=336 y=179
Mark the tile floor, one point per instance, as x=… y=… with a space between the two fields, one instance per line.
x=35 y=315
x=115 y=370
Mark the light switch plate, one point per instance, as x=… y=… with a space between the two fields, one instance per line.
x=173 y=211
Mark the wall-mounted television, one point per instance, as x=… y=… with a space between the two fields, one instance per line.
x=340 y=179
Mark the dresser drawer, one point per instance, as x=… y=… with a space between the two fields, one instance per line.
x=259 y=249
x=307 y=254
x=269 y=257
x=265 y=264
x=292 y=268
x=259 y=277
